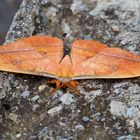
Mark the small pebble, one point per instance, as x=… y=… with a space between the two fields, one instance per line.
x=35 y=108
x=79 y=127
x=126 y=137
x=2 y=94
x=43 y=2
x=90 y=138
x=67 y=99
x=43 y=133
x=1 y=119
x=118 y=108
x=41 y=88
x=115 y=28
x=13 y=117
x=18 y=135
x=85 y=119
x=25 y=94
x=35 y=98
x=65 y=27
x=16 y=83
x=54 y=111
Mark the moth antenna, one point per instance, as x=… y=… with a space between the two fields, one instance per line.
x=70 y=59
x=61 y=59
x=66 y=52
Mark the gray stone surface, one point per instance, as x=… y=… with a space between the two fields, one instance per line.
x=112 y=112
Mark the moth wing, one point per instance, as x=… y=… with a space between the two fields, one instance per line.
x=38 y=55
x=92 y=59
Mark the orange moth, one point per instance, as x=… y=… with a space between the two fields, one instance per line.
x=88 y=59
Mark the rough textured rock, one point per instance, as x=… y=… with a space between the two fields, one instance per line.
x=106 y=109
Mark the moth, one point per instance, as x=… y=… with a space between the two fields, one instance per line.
x=88 y=59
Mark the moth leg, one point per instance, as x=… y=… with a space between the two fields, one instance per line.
x=54 y=81
x=73 y=86
x=74 y=83
x=58 y=84
x=57 y=87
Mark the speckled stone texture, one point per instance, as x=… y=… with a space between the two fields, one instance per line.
x=106 y=109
